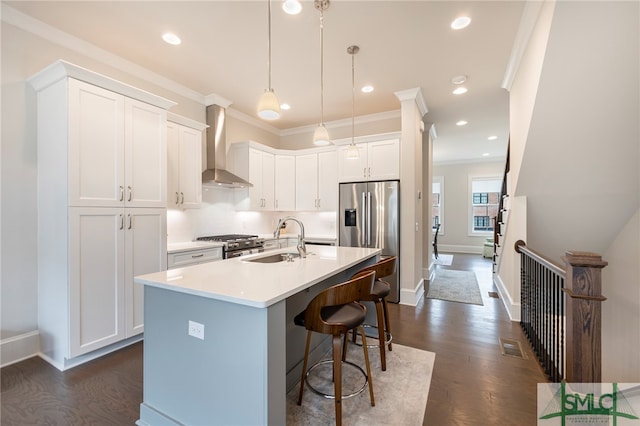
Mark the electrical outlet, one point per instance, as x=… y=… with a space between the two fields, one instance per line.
x=196 y=330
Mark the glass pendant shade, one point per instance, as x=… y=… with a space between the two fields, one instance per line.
x=292 y=7
x=352 y=152
x=321 y=136
x=269 y=107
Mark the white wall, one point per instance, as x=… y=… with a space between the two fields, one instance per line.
x=455 y=237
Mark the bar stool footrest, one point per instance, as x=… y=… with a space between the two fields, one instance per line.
x=331 y=396
x=388 y=337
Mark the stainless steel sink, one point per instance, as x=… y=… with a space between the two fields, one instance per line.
x=274 y=258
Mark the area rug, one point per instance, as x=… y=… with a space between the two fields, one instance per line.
x=443 y=259
x=400 y=392
x=455 y=286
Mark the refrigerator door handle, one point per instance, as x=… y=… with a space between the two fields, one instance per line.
x=363 y=227
x=368 y=219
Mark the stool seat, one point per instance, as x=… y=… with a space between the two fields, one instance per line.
x=381 y=289
x=351 y=315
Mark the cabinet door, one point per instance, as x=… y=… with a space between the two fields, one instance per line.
x=173 y=165
x=268 y=181
x=96 y=271
x=145 y=155
x=352 y=169
x=328 y=181
x=96 y=146
x=145 y=252
x=285 y=182
x=307 y=182
x=190 y=168
x=256 y=201
x=384 y=160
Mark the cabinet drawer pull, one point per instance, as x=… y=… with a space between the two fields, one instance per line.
x=121 y=193
x=121 y=222
x=177 y=197
x=130 y=221
x=130 y=191
x=193 y=256
x=181 y=197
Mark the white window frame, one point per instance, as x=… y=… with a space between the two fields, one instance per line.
x=439 y=180
x=471 y=231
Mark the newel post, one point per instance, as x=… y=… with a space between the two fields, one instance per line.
x=583 y=287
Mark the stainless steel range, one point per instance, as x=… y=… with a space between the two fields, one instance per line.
x=236 y=245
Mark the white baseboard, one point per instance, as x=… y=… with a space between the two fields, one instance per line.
x=513 y=309
x=18 y=348
x=446 y=248
x=412 y=297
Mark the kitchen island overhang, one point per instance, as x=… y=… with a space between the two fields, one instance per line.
x=250 y=353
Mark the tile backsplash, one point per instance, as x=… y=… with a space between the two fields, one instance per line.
x=218 y=216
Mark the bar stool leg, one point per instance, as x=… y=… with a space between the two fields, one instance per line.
x=387 y=324
x=381 y=334
x=366 y=361
x=304 y=366
x=337 y=372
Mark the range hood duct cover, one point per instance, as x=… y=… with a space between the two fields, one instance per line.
x=216 y=172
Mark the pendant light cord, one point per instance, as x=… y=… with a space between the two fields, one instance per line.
x=321 y=68
x=353 y=98
x=269 y=47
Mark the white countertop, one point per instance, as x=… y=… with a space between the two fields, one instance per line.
x=257 y=284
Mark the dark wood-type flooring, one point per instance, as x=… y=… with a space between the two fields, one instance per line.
x=472 y=384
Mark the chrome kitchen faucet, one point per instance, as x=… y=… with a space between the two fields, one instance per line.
x=302 y=248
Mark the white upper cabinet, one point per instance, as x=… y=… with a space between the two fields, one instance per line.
x=257 y=167
x=285 y=182
x=117 y=149
x=379 y=160
x=184 y=165
x=316 y=181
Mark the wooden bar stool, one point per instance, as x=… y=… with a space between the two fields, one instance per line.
x=335 y=311
x=381 y=289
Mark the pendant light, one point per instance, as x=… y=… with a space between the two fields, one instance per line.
x=321 y=135
x=269 y=107
x=352 y=151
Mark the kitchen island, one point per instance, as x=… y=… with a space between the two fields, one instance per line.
x=220 y=346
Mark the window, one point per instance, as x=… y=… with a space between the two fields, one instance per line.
x=485 y=196
x=437 y=205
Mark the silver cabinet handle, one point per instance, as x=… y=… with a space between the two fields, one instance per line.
x=121 y=193
x=130 y=191
x=121 y=222
x=276 y=204
x=130 y=221
x=177 y=197
x=193 y=256
x=181 y=197
x=368 y=171
x=364 y=172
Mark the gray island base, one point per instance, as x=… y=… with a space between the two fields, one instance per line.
x=220 y=346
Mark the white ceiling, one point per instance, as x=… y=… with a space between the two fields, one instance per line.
x=403 y=45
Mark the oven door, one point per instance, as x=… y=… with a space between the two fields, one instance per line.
x=239 y=253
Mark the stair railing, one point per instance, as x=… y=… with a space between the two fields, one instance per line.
x=565 y=332
x=499 y=220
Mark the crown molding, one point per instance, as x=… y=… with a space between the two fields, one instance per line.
x=414 y=94
x=253 y=121
x=343 y=122
x=527 y=25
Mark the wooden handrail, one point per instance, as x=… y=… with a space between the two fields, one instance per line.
x=521 y=247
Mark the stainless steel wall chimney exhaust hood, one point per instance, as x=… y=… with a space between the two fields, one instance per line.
x=216 y=173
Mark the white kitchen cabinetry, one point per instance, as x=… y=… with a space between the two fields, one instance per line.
x=117 y=152
x=379 y=160
x=184 y=163
x=257 y=167
x=285 y=182
x=316 y=181
x=101 y=209
x=193 y=257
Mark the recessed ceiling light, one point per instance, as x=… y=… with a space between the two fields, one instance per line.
x=486 y=154
x=461 y=123
x=459 y=79
x=171 y=38
x=367 y=89
x=285 y=106
x=292 y=7
x=460 y=22
x=460 y=90
x=492 y=138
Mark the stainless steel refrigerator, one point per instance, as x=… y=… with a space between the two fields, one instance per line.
x=370 y=217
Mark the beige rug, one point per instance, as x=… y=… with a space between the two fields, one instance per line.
x=400 y=392
x=455 y=286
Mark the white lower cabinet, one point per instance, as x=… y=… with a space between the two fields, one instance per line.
x=107 y=248
x=193 y=257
